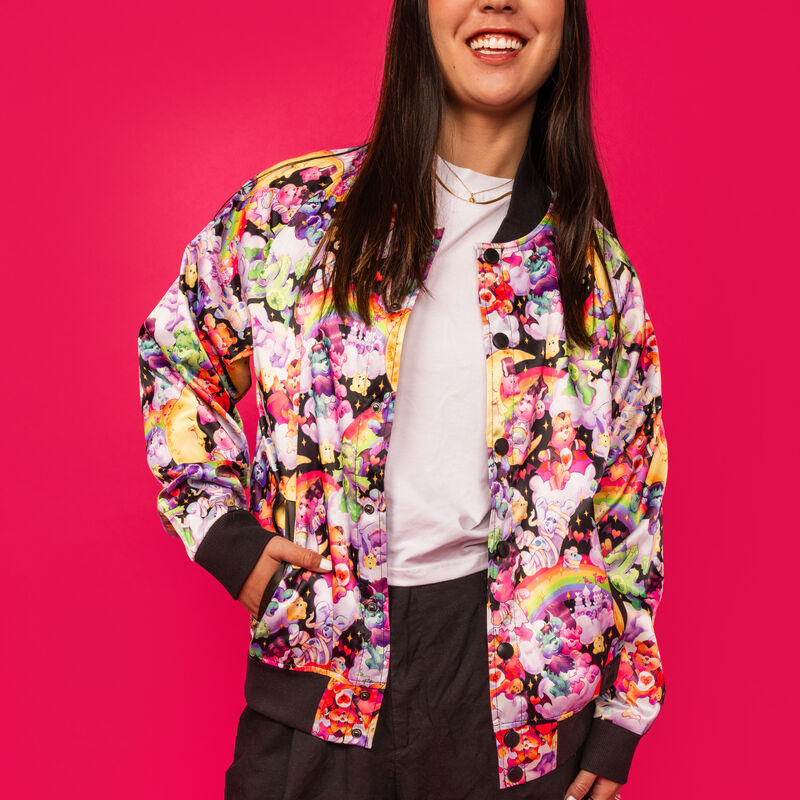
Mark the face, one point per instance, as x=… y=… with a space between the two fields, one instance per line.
x=500 y=76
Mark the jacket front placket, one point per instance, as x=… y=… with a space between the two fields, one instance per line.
x=370 y=432
x=524 y=241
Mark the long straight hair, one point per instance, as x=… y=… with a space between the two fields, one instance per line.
x=394 y=189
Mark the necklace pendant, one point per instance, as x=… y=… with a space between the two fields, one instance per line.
x=472 y=198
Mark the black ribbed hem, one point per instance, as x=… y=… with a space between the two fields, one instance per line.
x=609 y=749
x=231 y=547
x=572 y=733
x=288 y=696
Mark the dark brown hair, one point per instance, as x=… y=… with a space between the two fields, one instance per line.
x=396 y=176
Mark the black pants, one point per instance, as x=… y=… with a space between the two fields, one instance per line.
x=434 y=736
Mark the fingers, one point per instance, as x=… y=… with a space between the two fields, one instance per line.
x=589 y=785
x=284 y=550
x=580 y=786
x=604 y=789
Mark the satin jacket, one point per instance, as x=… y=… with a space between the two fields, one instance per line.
x=575 y=451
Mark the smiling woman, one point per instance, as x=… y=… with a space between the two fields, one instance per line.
x=451 y=553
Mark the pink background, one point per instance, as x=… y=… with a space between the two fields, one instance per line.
x=122 y=661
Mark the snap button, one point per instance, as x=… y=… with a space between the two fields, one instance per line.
x=369 y=508
x=500 y=340
x=376 y=406
x=503 y=549
x=491 y=256
x=364 y=694
x=356 y=732
x=501 y=446
x=511 y=739
x=505 y=650
x=515 y=774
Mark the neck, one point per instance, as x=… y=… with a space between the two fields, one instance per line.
x=492 y=144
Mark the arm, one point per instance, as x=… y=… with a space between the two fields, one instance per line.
x=194 y=350
x=629 y=517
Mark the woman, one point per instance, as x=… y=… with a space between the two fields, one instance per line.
x=516 y=518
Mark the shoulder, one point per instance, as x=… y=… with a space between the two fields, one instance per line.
x=314 y=170
x=276 y=194
x=304 y=187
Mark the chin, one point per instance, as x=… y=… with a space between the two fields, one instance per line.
x=495 y=101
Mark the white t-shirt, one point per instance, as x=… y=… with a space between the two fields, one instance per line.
x=436 y=479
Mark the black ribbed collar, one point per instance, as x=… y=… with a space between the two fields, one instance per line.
x=530 y=199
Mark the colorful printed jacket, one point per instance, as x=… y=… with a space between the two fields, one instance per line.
x=575 y=449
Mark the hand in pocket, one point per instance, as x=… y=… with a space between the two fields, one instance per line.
x=277 y=550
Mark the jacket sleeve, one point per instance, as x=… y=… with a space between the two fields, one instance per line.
x=195 y=444
x=628 y=512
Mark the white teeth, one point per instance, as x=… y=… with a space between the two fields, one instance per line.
x=496 y=43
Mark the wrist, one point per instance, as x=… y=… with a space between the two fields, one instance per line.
x=232 y=547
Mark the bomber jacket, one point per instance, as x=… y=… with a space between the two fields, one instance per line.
x=575 y=451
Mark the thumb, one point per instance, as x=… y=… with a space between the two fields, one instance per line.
x=581 y=785
x=284 y=550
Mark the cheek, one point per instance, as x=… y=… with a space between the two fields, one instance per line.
x=438 y=12
x=547 y=17
x=445 y=18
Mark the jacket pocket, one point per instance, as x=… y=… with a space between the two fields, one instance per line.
x=621 y=620
x=565 y=628
x=614 y=657
x=283 y=513
x=610 y=672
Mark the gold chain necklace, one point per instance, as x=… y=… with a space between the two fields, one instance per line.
x=472 y=194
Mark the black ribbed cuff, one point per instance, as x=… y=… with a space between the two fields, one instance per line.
x=608 y=750
x=231 y=547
